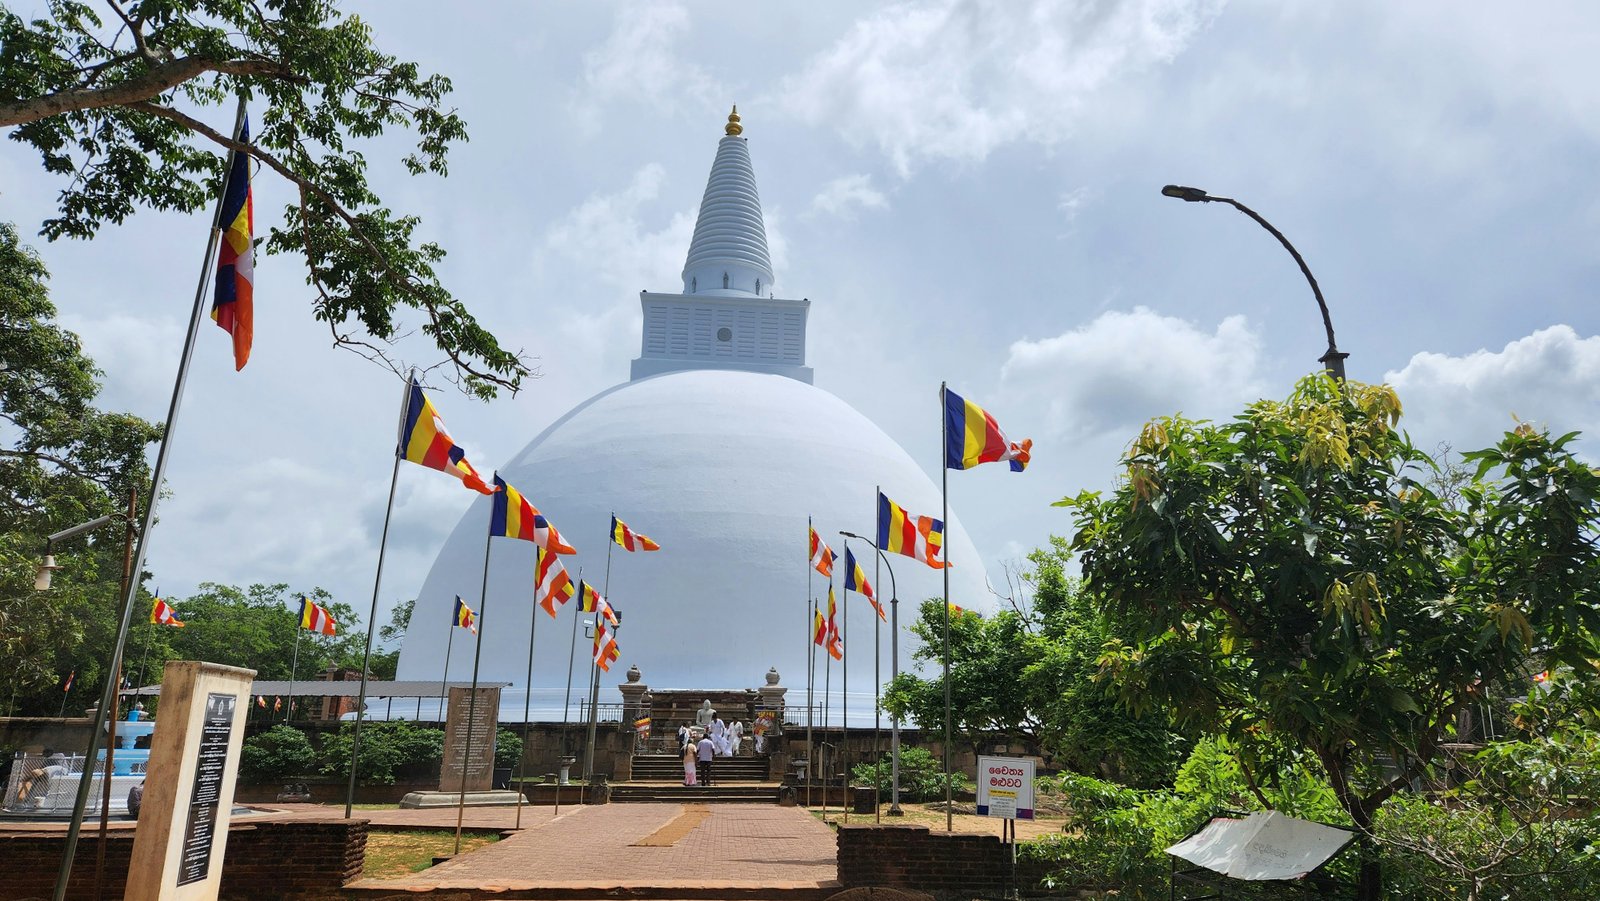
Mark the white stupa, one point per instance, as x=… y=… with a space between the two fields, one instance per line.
x=719 y=448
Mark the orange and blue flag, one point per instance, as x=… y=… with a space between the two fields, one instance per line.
x=628 y=539
x=425 y=441
x=552 y=585
x=605 y=647
x=591 y=601
x=233 y=305
x=162 y=614
x=855 y=579
x=514 y=517
x=972 y=437
x=464 y=617
x=821 y=554
x=315 y=618
x=914 y=536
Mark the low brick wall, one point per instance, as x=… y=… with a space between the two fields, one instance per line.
x=296 y=859
x=913 y=857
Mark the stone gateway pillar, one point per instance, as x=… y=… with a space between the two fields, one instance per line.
x=188 y=789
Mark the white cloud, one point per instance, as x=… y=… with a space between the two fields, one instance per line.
x=1123 y=368
x=639 y=62
x=843 y=195
x=1550 y=378
x=960 y=78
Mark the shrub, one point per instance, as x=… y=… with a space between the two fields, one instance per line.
x=921 y=776
x=386 y=747
x=276 y=754
x=507 y=749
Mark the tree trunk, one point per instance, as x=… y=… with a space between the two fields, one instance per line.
x=1369 y=877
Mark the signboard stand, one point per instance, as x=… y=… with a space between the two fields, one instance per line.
x=1005 y=790
x=194 y=761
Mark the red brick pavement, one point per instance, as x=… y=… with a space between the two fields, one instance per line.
x=590 y=850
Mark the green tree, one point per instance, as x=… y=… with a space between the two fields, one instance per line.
x=63 y=461
x=387 y=749
x=115 y=102
x=1290 y=578
x=278 y=753
x=255 y=628
x=1027 y=674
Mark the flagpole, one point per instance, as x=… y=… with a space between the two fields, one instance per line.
x=372 y=615
x=811 y=665
x=149 y=638
x=594 y=686
x=827 y=704
x=877 y=688
x=944 y=556
x=294 y=661
x=844 y=689
x=126 y=618
x=566 y=704
x=444 y=678
x=527 y=696
x=477 y=655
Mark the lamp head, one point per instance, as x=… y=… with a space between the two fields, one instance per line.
x=41 y=579
x=1186 y=193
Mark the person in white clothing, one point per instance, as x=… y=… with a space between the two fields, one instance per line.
x=735 y=737
x=719 y=736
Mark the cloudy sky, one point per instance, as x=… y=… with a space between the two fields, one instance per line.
x=965 y=191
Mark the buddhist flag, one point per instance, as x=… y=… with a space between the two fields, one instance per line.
x=261 y=701
x=316 y=618
x=821 y=554
x=819 y=629
x=605 y=647
x=464 y=617
x=591 y=601
x=628 y=539
x=914 y=536
x=855 y=579
x=835 y=649
x=68 y=686
x=514 y=517
x=426 y=441
x=162 y=614
x=552 y=585
x=972 y=437
x=232 y=308
x=277 y=703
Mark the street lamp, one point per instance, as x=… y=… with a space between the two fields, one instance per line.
x=1332 y=359
x=47 y=568
x=894 y=667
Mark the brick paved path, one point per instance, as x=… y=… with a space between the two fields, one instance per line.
x=591 y=850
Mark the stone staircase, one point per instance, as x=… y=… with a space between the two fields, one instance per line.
x=659 y=778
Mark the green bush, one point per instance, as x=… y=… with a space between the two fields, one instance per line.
x=507 y=749
x=279 y=753
x=921 y=776
x=386 y=748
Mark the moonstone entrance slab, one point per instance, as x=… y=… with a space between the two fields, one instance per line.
x=419 y=800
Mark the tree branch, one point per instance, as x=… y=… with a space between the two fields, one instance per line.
x=141 y=88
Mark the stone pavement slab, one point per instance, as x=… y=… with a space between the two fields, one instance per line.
x=592 y=852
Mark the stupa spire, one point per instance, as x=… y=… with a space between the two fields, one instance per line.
x=728 y=254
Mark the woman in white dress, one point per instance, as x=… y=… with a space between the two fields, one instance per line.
x=688 y=763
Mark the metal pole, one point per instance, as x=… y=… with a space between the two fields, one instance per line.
x=811 y=666
x=827 y=704
x=944 y=557
x=472 y=699
x=444 y=677
x=82 y=801
x=372 y=615
x=594 y=689
x=844 y=697
x=527 y=701
x=894 y=667
x=877 y=692
x=566 y=703
x=294 y=664
x=111 y=724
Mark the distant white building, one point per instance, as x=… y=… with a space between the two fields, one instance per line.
x=719 y=448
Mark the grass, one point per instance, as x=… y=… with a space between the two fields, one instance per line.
x=391 y=854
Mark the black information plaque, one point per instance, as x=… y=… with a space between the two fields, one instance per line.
x=194 y=862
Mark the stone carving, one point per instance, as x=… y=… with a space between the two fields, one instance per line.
x=704 y=715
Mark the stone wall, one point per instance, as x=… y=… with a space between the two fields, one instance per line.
x=299 y=860
x=913 y=857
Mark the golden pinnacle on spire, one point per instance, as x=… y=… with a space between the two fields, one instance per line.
x=734 y=128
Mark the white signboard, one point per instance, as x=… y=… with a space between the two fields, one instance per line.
x=1263 y=845
x=1005 y=787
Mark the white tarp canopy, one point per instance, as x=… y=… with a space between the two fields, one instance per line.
x=1264 y=845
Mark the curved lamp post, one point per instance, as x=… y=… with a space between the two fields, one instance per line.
x=1333 y=359
x=894 y=672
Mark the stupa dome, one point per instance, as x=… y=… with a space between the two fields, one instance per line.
x=721 y=468
x=718 y=448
